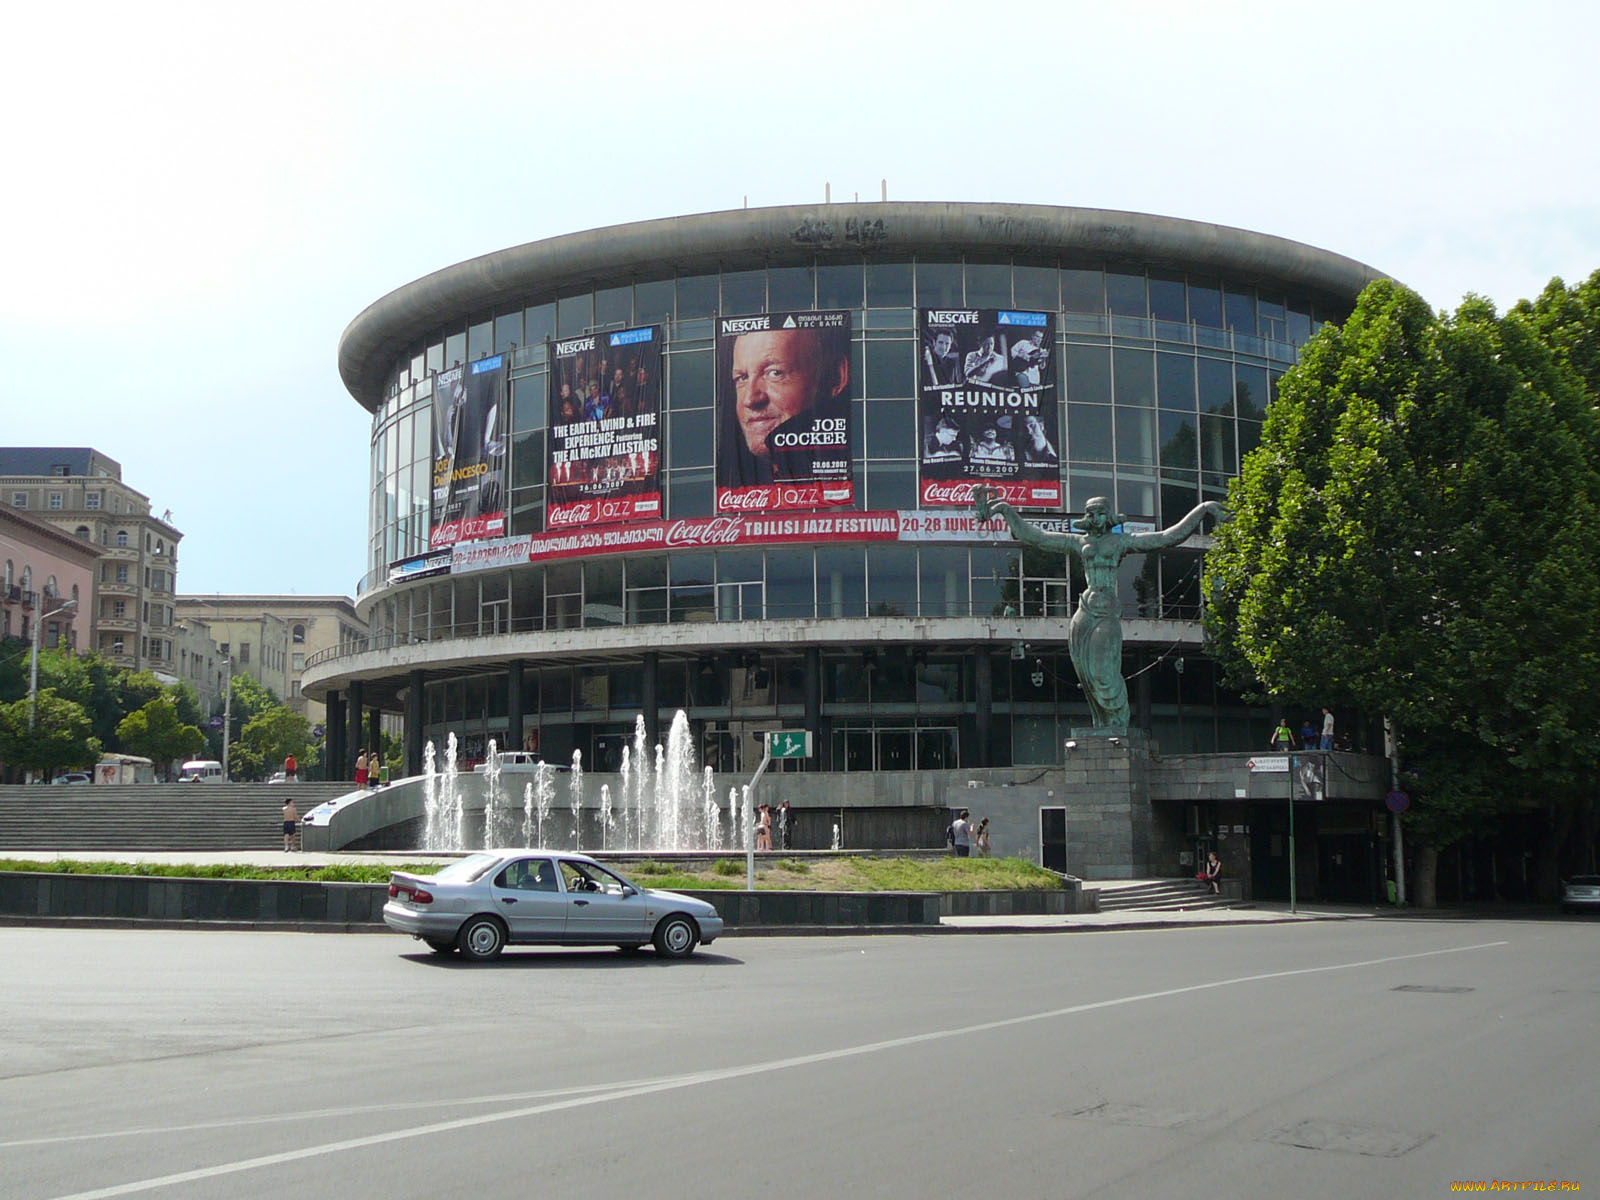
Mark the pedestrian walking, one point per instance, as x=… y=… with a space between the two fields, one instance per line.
x=291 y=825
x=1327 y=729
x=961 y=834
x=1282 y=739
x=289 y=769
x=980 y=839
x=785 y=827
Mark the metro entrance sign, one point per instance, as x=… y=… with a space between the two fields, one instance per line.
x=1269 y=764
x=789 y=743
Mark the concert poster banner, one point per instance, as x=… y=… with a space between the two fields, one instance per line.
x=604 y=444
x=783 y=412
x=987 y=407
x=469 y=453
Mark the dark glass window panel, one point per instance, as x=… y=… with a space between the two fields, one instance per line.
x=841 y=582
x=527 y=459
x=1273 y=379
x=845 y=682
x=602 y=592
x=791 y=289
x=1125 y=293
x=527 y=510
x=790 y=584
x=436 y=357
x=507 y=331
x=1215 y=379
x=994 y=580
x=646 y=573
x=1250 y=392
x=839 y=286
x=1180 y=585
x=889 y=285
x=1135 y=377
x=989 y=285
x=1036 y=287
x=1083 y=486
x=1175 y=382
x=626 y=685
x=530 y=693
x=1180 y=445
x=690 y=594
x=858 y=428
x=480 y=340
x=697 y=296
x=689 y=379
x=1137 y=497
x=555 y=684
x=892 y=581
x=539 y=323
x=739 y=566
x=1299 y=324
x=943 y=574
x=1216 y=445
x=1088 y=374
x=455 y=349
x=891 y=485
x=653 y=301
x=684 y=569
x=1179 y=494
x=744 y=291
x=1269 y=312
x=891 y=428
x=528 y=403
x=574 y=313
x=1249 y=437
x=891 y=370
x=1083 y=291
x=938 y=284
x=1205 y=303
x=1167 y=301
x=892 y=684
x=613 y=307
x=1239 y=310
x=1089 y=432
x=1136 y=436
x=690 y=438
x=689 y=493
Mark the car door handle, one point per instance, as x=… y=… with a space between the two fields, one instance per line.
x=508 y=899
x=580 y=903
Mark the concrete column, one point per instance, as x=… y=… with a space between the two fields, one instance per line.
x=983 y=705
x=514 y=706
x=333 y=737
x=352 y=746
x=415 y=708
x=650 y=698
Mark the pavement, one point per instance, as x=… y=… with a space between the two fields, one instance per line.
x=1254 y=913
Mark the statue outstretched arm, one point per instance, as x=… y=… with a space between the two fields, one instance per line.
x=987 y=504
x=1179 y=530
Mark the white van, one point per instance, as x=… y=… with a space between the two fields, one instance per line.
x=201 y=770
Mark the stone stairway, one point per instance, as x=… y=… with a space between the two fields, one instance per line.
x=153 y=816
x=1158 y=894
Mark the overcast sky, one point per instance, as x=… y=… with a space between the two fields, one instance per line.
x=199 y=198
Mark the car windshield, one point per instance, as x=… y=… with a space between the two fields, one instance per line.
x=467 y=869
x=1585 y=880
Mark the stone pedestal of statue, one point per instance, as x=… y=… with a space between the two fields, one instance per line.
x=1107 y=798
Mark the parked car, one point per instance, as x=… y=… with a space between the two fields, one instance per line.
x=521 y=762
x=74 y=777
x=1581 y=893
x=279 y=777
x=201 y=770
x=487 y=901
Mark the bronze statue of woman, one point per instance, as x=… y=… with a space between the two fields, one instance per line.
x=1094 y=637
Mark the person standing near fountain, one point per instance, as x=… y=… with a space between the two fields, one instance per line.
x=764 y=828
x=1094 y=638
x=361 y=771
x=785 y=826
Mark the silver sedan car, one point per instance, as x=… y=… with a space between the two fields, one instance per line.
x=490 y=900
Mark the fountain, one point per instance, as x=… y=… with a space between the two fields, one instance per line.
x=673 y=806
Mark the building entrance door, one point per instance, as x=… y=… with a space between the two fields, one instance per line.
x=1053 y=839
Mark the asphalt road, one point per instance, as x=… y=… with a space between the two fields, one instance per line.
x=1347 y=1059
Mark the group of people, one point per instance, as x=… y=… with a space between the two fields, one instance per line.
x=1310 y=738
x=766 y=817
x=610 y=391
x=967 y=839
x=371 y=770
x=995 y=446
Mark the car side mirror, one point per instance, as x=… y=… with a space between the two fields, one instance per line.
x=629 y=890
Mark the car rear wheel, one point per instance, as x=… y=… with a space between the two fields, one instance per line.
x=676 y=937
x=481 y=939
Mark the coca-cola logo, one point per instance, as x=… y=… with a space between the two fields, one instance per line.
x=746 y=500
x=716 y=531
x=571 y=514
x=946 y=493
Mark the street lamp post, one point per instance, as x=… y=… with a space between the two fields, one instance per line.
x=33 y=663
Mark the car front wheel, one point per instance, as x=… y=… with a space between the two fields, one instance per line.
x=481 y=939
x=676 y=937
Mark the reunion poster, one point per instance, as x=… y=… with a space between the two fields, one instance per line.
x=987 y=407
x=469 y=453
x=783 y=412
x=605 y=428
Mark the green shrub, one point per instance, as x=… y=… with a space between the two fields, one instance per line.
x=727 y=866
x=794 y=866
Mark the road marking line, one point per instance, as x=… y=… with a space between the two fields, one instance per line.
x=725 y=1073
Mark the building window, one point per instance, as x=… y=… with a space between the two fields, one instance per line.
x=299 y=634
x=119 y=610
x=82 y=531
x=91 y=501
x=244 y=652
x=122 y=537
x=19 y=499
x=122 y=572
x=298 y=662
x=55 y=500
x=61 y=470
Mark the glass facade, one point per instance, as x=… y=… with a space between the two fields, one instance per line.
x=1166 y=381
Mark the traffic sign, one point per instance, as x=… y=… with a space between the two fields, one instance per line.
x=1269 y=763
x=789 y=743
x=1397 y=801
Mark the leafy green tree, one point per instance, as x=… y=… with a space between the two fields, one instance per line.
x=271 y=736
x=60 y=737
x=1412 y=538
x=159 y=733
